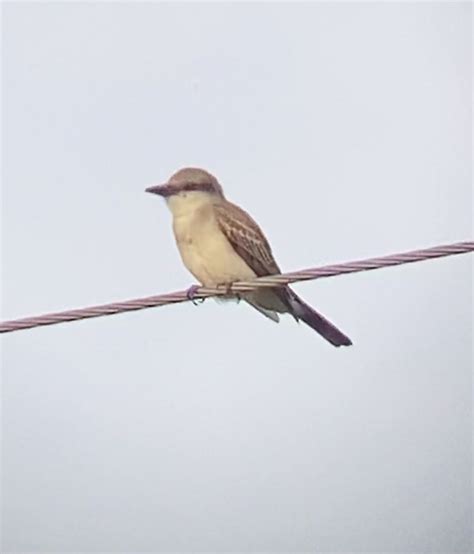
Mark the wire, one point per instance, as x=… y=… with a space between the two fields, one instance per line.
x=240 y=287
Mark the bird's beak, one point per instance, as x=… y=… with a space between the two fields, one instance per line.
x=162 y=190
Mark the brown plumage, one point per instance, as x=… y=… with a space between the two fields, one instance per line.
x=220 y=243
x=250 y=243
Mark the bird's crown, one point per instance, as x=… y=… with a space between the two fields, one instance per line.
x=196 y=179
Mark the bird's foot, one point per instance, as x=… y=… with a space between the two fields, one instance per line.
x=228 y=292
x=191 y=293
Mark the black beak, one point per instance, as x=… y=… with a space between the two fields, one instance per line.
x=162 y=190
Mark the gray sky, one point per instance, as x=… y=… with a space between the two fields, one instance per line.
x=345 y=130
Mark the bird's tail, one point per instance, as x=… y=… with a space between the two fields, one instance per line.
x=318 y=322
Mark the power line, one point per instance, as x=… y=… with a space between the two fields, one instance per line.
x=240 y=287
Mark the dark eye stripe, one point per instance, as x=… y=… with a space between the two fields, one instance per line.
x=203 y=187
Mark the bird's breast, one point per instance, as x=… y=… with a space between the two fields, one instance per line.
x=205 y=250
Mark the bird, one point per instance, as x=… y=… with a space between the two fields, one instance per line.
x=220 y=243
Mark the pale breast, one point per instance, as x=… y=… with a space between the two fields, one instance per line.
x=205 y=250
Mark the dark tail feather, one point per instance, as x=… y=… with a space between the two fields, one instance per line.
x=318 y=322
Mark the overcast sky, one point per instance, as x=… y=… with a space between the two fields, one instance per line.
x=345 y=130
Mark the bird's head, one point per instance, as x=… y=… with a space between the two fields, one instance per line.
x=188 y=186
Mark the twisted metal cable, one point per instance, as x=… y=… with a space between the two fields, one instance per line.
x=242 y=286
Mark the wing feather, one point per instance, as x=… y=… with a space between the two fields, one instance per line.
x=246 y=238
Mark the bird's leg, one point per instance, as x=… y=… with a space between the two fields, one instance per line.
x=191 y=293
x=228 y=291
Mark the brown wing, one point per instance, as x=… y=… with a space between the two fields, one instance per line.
x=246 y=238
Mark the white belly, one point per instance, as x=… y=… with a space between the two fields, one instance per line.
x=207 y=253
